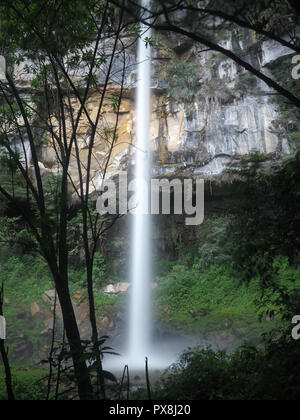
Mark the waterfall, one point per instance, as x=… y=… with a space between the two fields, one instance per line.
x=140 y=306
x=24 y=151
x=161 y=349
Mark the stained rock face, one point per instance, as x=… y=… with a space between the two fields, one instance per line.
x=228 y=114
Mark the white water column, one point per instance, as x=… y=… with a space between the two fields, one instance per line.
x=140 y=300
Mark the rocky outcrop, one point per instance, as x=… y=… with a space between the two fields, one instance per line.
x=227 y=114
x=115 y=289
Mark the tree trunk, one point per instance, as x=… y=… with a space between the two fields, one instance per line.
x=100 y=379
x=8 y=379
x=85 y=390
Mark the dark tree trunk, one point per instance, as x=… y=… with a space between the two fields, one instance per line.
x=8 y=379
x=85 y=390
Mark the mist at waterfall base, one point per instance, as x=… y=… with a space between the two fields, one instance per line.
x=140 y=340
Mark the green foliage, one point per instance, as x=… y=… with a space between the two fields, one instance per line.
x=200 y=375
x=266 y=220
x=289 y=115
x=270 y=372
x=7 y=228
x=63 y=26
x=183 y=80
x=149 y=41
x=206 y=287
x=99 y=271
x=214 y=247
x=25 y=279
x=106 y=305
x=246 y=83
x=29 y=273
x=201 y=298
x=115 y=102
x=10 y=178
x=28 y=385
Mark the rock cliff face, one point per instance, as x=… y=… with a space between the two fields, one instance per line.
x=230 y=114
x=218 y=111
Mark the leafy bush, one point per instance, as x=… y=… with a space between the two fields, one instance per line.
x=269 y=373
x=183 y=80
x=27 y=384
x=289 y=115
x=99 y=271
x=266 y=220
x=214 y=247
x=201 y=298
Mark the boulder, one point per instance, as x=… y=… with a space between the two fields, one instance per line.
x=115 y=289
x=49 y=324
x=104 y=323
x=49 y=297
x=84 y=311
x=35 y=308
x=111 y=325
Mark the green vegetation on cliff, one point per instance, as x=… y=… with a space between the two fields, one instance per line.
x=204 y=294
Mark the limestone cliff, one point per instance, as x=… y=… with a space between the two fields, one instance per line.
x=206 y=110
